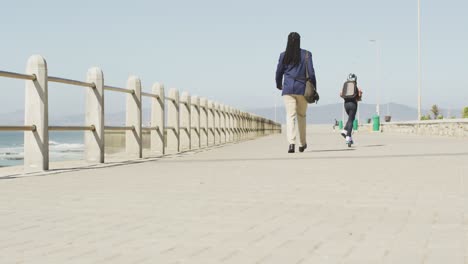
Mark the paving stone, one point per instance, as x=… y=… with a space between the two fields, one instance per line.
x=389 y=199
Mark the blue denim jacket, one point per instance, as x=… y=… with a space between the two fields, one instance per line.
x=294 y=76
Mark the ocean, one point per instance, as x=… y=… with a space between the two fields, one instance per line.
x=62 y=146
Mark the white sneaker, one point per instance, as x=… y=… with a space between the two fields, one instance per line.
x=344 y=133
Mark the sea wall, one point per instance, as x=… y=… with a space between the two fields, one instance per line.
x=449 y=127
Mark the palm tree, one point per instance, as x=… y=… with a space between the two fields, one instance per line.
x=435 y=111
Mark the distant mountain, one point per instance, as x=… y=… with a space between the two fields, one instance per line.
x=316 y=114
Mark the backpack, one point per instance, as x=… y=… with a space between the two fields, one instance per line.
x=350 y=90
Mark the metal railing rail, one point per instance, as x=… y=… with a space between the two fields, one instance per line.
x=72 y=128
x=20 y=76
x=150 y=128
x=71 y=82
x=18 y=128
x=118 y=89
x=150 y=95
x=119 y=128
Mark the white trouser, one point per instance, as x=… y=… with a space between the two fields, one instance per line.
x=296 y=108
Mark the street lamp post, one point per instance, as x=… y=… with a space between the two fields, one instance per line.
x=419 y=60
x=377 y=106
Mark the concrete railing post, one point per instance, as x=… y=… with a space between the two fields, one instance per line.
x=253 y=133
x=233 y=124
x=36 y=143
x=257 y=126
x=173 y=122
x=185 y=121
x=249 y=126
x=242 y=125
x=195 y=132
x=157 y=120
x=94 y=140
x=253 y=125
x=133 y=138
x=239 y=125
x=236 y=125
x=204 y=113
x=260 y=126
x=228 y=124
x=246 y=125
x=211 y=123
x=222 y=120
x=216 y=125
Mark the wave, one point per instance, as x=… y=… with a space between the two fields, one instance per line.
x=56 y=150
x=53 y=143
x=11 y=153
x=66 y=147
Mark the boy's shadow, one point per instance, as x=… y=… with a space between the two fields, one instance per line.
x=331 y=150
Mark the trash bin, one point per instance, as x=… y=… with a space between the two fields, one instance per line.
x=376 y=123
x=340 y=124
x=355 y=124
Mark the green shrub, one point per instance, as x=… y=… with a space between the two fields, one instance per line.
x=426 y=117
x=465 y=112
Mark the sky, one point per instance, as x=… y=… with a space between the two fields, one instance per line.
x=228 y=51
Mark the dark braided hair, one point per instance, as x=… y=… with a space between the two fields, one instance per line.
x=292 y=56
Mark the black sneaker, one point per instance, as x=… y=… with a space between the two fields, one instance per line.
x=291 y=148
x=301 y=149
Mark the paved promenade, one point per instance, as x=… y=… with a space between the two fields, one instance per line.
x=390 y=199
